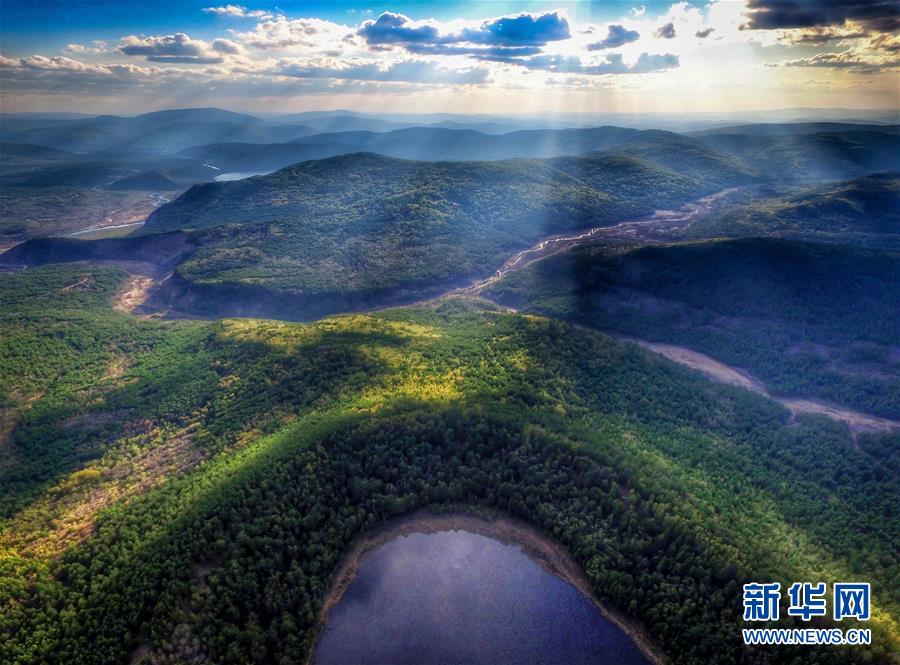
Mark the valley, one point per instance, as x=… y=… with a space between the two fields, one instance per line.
x=450 y=333
x=679 y=371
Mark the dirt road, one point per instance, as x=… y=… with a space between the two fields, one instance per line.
x=718 y=371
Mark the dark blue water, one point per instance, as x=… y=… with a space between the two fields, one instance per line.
x=455 y=597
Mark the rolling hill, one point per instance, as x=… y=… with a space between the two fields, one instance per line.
x=355 y=230
x=157 y=132
x=360 y=230
x=440 y=144
x=814 y=156
x=29 y=152
x=863 y=211
x=808 y=319
x=796 y=129
x=148 y=180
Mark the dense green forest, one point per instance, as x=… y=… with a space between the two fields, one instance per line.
x=362 y=229
x=862 y=211
x=199 y=481
x=806 y=319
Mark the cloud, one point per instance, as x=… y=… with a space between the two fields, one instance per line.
x=227 y=47
x=519 y=30
x=818 y=36
x=99 y=46
x=419 y=71
x=391 y=28
x=177 y=48
x=61 y=75
x=483 y=53
x=857 y=62
x=612 y=64
x=41 y=76
x=281 y=33
x=238 y=11
x=666 y=31
x=616 y=36
x=873 y=15
x=703 y=34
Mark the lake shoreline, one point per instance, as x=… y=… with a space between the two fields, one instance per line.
x=540 y=548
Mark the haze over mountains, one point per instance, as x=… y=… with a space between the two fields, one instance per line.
x=121 y=168
x=349 y=221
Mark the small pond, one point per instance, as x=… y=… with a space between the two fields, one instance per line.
x=460 y=597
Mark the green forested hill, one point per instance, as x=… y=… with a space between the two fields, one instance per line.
x=809 y=319
x=863 y=211
x=199 y=481
x=364 y=230
x=839 y=152
x=344 y=188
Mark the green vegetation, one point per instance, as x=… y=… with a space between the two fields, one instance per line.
x=27 y=212
x=234 y=462
x=360 y=230
x=809 y=152
x=806 y=319
x=863 y=211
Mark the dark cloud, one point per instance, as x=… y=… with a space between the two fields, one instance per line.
x=820 y=36
x=666 y=32
x=874 y=15
x=846 y=60
x=177 y=48
x=616 y=36
x=521 y=30
x=612 y=64
x=511 y=31
x=703 y=34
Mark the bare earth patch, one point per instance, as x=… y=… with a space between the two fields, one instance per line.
x=704 y=364
x=135 y=293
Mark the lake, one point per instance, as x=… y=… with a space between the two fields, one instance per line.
x=460 y=597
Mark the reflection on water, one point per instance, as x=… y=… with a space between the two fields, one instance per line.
x=458 y=597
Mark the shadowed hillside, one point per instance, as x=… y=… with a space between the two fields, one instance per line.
x=816 y=320
x=862 y=211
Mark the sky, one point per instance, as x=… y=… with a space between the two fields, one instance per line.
x=495 y=57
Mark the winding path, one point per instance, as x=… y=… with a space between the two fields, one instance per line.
x=656 y=228
x=722 y=373
x=661 y=225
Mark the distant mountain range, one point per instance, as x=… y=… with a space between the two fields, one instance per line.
x=168 y=151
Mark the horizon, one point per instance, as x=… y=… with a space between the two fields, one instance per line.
x=505 y=58
x=531 y=121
